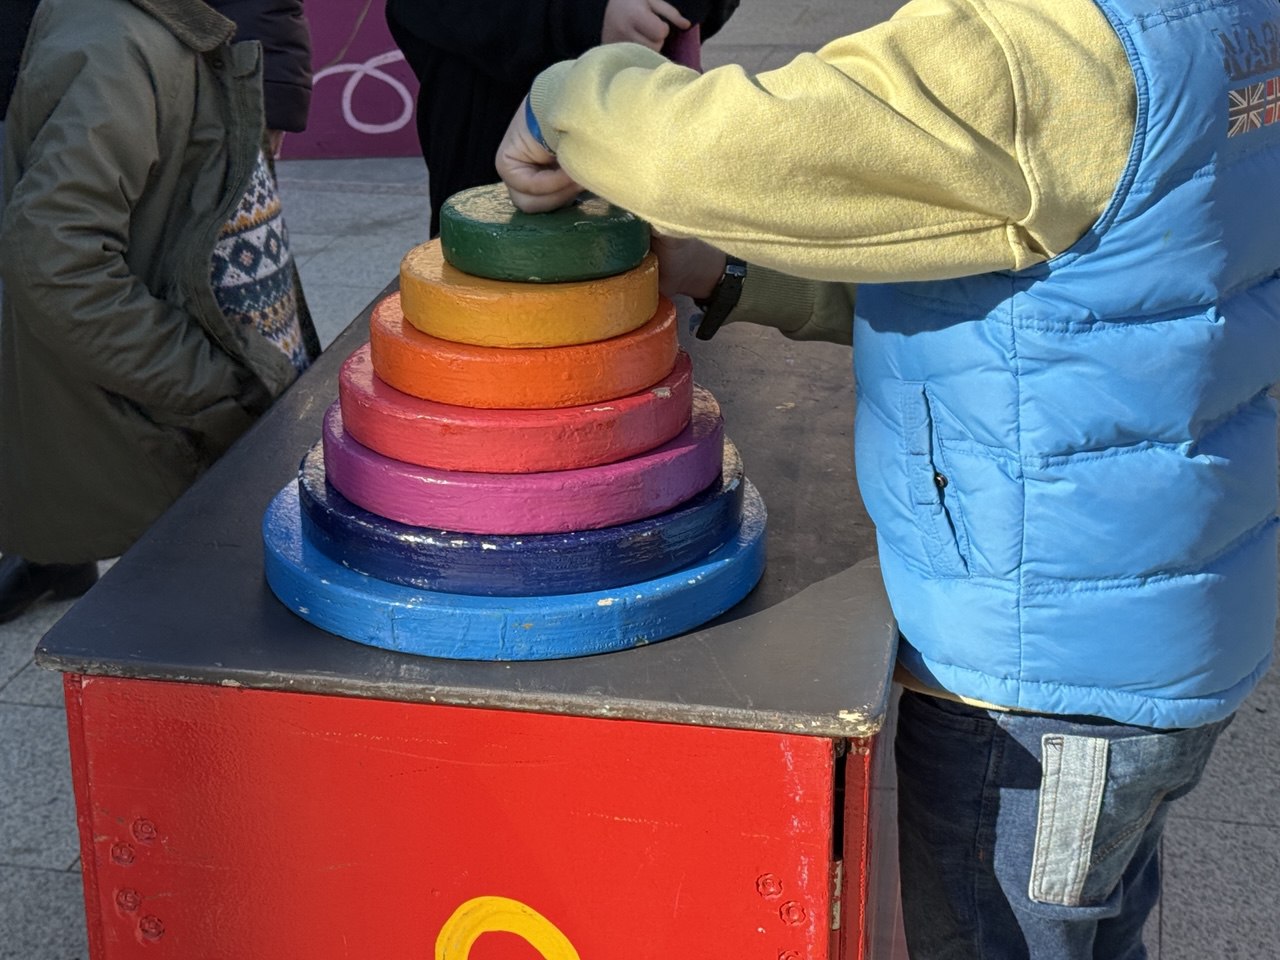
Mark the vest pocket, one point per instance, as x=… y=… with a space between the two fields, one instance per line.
x=934 y=498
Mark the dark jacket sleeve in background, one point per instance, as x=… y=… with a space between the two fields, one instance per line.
x=286 y=55
x=515 y=40
x=15 y=22
x=509 y=40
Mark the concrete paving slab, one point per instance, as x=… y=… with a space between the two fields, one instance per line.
x=15 y=652
x=41 y=914
x=34 y=687
x=1220 y=891
x=1242 y=781
x=366 y=262
x=334 y=305
x=304 y=246
x=780 y=56
x=18 y=638
x=803 y=24
x=37 y=809
x=351 y=221
x=750 y=56
x=353 y=211
x=406 y=172
x=776 y=22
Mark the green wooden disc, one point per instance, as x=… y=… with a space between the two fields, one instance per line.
x=483 y=234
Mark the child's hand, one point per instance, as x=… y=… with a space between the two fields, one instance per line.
x=534 y=179
x=688 y=267
x=640 y=21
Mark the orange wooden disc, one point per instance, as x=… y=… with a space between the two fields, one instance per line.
x=542 y=377
x=442 y=301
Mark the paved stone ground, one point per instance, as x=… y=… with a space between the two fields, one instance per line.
x=350 y=222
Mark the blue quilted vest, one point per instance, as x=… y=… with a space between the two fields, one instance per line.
x=1072 y=468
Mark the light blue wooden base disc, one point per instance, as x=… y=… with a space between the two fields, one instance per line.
x=466 y=627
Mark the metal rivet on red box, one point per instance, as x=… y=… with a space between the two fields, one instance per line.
x=122 y=853
x=793 y=913
x=768 y=886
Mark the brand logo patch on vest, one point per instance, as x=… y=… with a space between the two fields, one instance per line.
x=1250 y=50
x=1253 y=107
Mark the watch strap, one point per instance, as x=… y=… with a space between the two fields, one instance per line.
x=723 y=298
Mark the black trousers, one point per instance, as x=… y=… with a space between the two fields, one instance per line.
x=462 y=115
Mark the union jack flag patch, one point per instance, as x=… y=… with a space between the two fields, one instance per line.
x=1253 y=107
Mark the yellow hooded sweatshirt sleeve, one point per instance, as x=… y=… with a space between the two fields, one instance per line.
x=958 y=137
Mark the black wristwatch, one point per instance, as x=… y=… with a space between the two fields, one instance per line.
x=720 y=303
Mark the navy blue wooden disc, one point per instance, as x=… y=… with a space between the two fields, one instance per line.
x=461 y=626
x=515 y=566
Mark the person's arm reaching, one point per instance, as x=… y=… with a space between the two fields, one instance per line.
x=902 y=152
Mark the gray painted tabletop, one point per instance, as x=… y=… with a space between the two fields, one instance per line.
x=810 y=651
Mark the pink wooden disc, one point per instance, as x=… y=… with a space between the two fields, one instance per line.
x=512 y=503
x=450 y=437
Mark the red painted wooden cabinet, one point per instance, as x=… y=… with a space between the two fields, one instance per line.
x=219 y=822
x=250 y=787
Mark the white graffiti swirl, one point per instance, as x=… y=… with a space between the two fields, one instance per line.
x=371 y=68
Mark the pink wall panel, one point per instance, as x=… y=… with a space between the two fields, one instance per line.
x=364 y=92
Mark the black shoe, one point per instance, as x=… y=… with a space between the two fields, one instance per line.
x=23 y=583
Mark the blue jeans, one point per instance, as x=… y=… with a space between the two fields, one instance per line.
x=1028 y=837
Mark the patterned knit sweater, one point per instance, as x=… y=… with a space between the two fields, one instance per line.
x=252 y=271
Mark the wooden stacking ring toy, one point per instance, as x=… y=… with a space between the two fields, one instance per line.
x=397 y=617
x=554 y=502
x=483 y=234
x=465 y=375
x=444 y=302
x=548 y=563
x=446 y=437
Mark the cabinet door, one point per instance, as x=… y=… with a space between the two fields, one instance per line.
x=222 y=822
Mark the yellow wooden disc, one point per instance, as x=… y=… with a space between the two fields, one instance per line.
x=446 y=303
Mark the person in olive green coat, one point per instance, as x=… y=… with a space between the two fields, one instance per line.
x=133 y=148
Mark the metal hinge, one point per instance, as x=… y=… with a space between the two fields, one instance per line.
x=837 y=885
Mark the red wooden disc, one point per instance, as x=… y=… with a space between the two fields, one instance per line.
x=449 y=437
x=502 y=377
